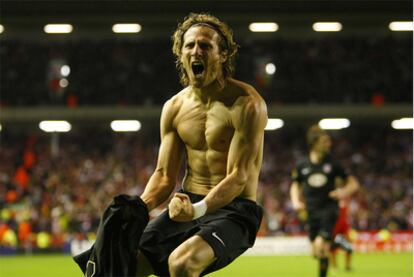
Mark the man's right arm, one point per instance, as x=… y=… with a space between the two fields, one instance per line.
x=295 y=196
x=163 y=180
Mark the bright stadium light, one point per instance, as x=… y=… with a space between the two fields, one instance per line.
x=334 y=123
x=63 y=83
x=55 y=126
x=403 y=123
x=327 y=26
x=273 y=124
x=401 y=26
x=125 y=125
x=126 y=28
x=58 y=28
x=263 y=27
x=65 y=70
x=1 y=28
x=270 y=68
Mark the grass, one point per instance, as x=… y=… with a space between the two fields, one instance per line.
x=365 y=265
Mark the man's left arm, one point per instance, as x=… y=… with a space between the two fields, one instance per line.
x=350 y=187
x=243 y=152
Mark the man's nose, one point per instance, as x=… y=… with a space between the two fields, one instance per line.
x=197 y=51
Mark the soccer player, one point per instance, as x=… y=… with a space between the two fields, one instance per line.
x=314 y=189
x=341 y=237
x=216 y=125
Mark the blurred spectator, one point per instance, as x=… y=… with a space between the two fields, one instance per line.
x=65 y=195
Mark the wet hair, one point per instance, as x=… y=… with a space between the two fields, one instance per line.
x=226 y=42
x=313 y=134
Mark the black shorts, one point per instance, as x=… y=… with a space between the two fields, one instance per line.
x=322 y=223
x=229 y=231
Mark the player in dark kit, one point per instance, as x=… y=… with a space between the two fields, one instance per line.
x=315 y=187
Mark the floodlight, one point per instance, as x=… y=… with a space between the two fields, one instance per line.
x=58 y=28
x=327 y=26
x=263 y=27
x=126 y=28
x=270 y=68
x=55 y=126
x=65 y=70
x=63 y=82
x=334 y=123
x=403 y=123
x=273 y=124
x=401 y=26
x=126 y=125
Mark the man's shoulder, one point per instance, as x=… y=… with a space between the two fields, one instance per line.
x=244 y=89
x=303 y=162
x=176 y=100
x=333 y=162
x=248 y=98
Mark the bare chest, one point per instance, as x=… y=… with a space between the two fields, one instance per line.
x=202 y=128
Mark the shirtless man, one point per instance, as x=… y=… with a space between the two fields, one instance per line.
x=217 y=124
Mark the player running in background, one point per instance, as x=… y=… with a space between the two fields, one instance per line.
x=314 y=188
x=341 y=237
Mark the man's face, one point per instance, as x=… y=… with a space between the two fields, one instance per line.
x=323 y=144
x=201 y=57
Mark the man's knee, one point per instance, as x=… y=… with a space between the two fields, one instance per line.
x=180 y=265
x=184 y=262
x=321 y=247
x=190 y=258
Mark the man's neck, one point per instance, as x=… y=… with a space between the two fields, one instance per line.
x=211 y=92
x=316 y=157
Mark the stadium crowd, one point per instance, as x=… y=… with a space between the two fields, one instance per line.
x=48 y=199
x=142 y=72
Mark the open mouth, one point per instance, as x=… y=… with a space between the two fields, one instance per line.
x=197 y=68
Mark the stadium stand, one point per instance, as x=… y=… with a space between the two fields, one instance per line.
x=47 y=200
x=133 y=72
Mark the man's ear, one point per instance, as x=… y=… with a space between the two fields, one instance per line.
x=223 y=56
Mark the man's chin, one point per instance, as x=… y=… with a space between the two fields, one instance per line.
x=198 y=83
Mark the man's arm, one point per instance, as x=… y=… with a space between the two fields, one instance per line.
x=243 y=152
x=350 y=187
x=295 y=196
x=163 y=180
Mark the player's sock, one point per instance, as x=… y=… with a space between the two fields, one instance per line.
x=348 y=261
x=343 y=243
x=323 y=266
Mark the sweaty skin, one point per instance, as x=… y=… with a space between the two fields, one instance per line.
x=217 y=124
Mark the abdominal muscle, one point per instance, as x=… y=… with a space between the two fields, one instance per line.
x=202 y=185
x=206 y=169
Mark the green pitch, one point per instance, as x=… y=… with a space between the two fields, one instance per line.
x=365 y=265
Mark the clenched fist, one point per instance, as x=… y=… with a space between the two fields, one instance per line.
x=180 y=208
